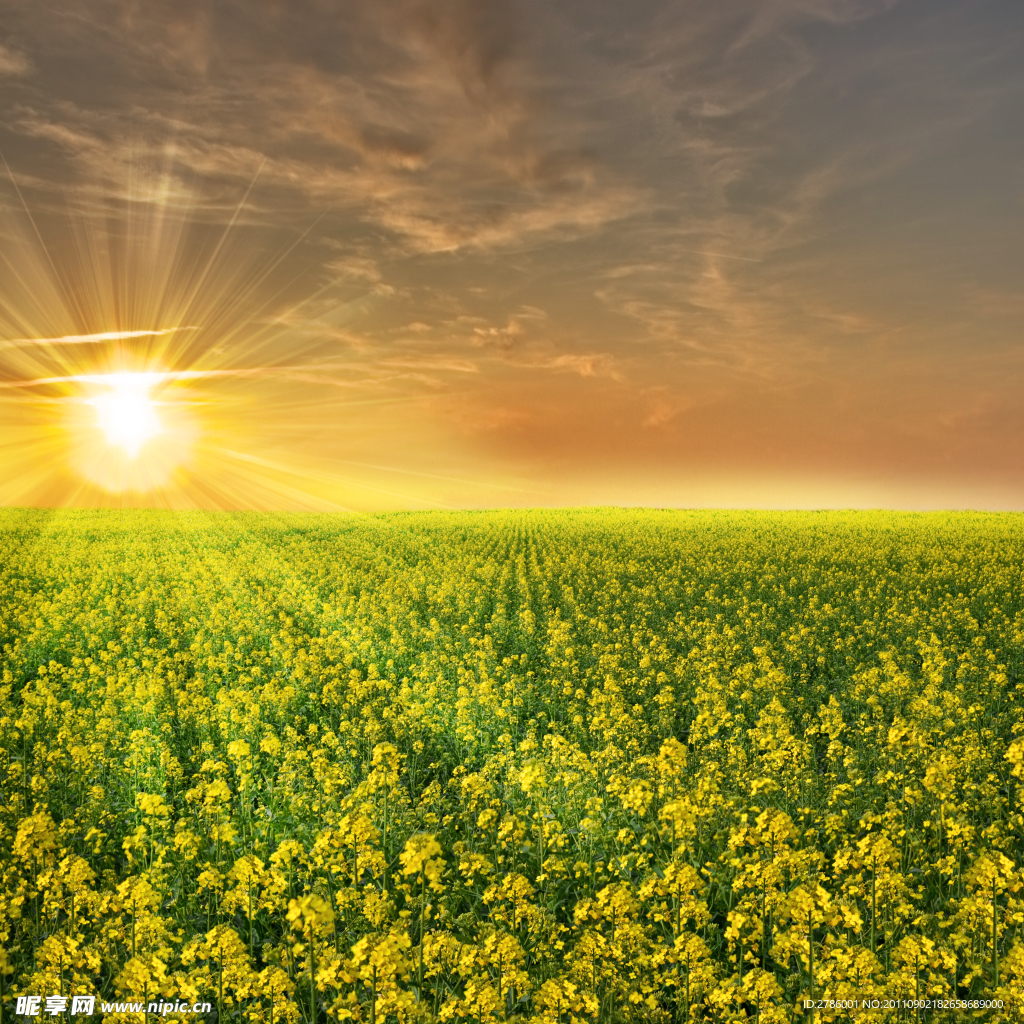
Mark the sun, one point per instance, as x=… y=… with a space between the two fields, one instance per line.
x=132 y=433
x=126 y=413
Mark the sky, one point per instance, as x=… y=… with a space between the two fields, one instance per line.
x=397 y=254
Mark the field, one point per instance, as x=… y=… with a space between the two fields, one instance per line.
x=564 y=766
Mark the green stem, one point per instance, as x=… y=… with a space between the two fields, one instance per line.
x=874 y=910
x=687 y=984
x=384 y=841
x=312 y=977
x=995 y=948
x=810 y=957
x=422 y=935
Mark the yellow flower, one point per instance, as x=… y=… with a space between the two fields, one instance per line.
x=309 y=911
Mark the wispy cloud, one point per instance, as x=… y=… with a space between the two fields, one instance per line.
x=90 y=339
x=655 y=201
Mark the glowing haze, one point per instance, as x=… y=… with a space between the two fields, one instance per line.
x=430 y=253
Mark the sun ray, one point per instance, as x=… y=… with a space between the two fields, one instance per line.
x=149 y=355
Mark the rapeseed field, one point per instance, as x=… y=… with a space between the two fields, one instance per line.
x=570 y=767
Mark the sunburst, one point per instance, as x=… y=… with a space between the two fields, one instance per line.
x=150 y=356
x=119 y=334
x=126 y=412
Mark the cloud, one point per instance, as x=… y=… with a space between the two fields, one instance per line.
x=424 y=120
x=704 y=197
x=596 y=364
x=334 y=375
x=502 y=337
x=585 y=364
x=13 y=63
x=352 y=267
x=428 y=363
x=91 y=339
x=663 y=408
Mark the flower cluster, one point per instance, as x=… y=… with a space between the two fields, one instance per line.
x=569 y=767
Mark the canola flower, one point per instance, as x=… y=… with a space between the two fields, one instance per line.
x=564 y=767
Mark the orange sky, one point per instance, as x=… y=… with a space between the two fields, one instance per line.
x=479 y=253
